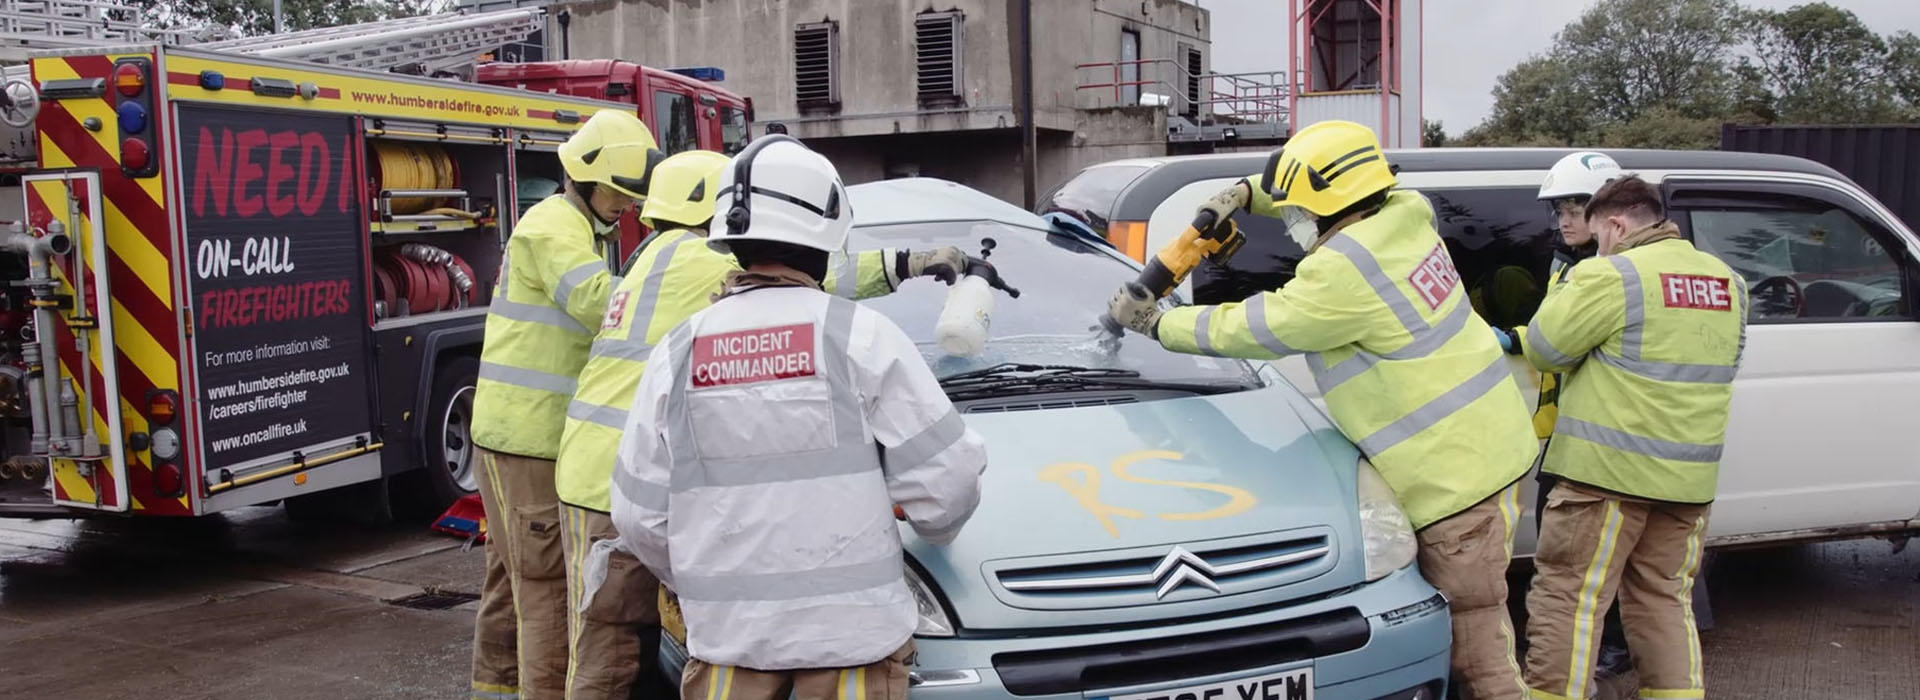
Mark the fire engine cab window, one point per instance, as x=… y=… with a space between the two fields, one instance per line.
x=733 y=129
x=1804 y=260
x=673 y=120
x=1502 y=241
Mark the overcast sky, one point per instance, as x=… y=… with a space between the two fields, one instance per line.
x=1251 y=35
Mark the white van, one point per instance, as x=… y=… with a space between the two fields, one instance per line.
x=1817 y=446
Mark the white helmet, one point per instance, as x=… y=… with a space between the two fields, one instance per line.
x=779 y=190
x=1579 y=174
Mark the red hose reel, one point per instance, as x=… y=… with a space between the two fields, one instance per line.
x=417 y=278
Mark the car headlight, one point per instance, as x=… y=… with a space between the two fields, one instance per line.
x=933 y=618
x=1385 y=532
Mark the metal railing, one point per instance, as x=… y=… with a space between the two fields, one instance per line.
x=1248 y=98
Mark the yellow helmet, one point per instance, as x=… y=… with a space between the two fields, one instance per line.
x=614 y=149
x=1327 y=167
x=683 y=188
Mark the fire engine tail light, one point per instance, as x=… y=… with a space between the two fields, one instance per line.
x=163 y=443
x=162 y=406
x=133 y=106
x=129 y=79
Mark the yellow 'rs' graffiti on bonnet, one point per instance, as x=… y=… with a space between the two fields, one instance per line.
x=1082 y=481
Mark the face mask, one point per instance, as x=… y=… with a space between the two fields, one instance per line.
x=1302 y=226
x=601 y=227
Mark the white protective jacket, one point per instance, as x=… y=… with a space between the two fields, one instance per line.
x=768 y=442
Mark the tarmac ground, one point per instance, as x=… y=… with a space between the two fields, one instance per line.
x=252 y=604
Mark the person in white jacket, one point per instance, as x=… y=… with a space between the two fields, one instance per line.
x=768 y=446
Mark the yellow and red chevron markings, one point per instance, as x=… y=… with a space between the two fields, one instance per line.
x=139 y=240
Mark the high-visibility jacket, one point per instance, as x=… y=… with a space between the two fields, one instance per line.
x=551 y=293
x=1650 y=338
x=675 y=276
x=1548 y=410
x=1409 y=372
x=769 y=441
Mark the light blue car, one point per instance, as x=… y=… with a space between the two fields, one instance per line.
x=1154 y=526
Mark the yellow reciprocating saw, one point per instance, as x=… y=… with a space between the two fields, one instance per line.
x=1206 y=239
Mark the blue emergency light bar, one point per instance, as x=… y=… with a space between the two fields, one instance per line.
x=706 y=73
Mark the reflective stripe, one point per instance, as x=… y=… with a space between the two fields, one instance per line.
x=1377 y=278
x=1688 y=568
x=526 y=378
x=1263 y=333
x=840 y=460
x=926 y=445
x=1637 y=444
x=1689 y=694
x=1740 y=351
x=1538 y=341
x=635 y=347
x=1636 y=307
x=1579 y=672
x=1669 y=371
x=534 y=313
x=609 y=416
x=644 y=494
x=1446 y=404
x=846 y=277
x=574 y=278
x=1424 y=343
x=1510 y=518
x=790 y=585
x=849 y=423
x=1200 y=325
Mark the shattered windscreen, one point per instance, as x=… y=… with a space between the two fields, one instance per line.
x=1064 y=285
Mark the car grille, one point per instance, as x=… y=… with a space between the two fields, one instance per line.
x=1164 y=574
x=1082 y=669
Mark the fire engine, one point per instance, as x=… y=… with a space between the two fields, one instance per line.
x=239 y=279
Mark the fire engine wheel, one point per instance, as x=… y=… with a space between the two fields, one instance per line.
x=448 y=469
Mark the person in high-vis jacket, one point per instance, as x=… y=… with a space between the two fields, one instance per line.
x=673 y=276
x=768 y=444
x=1569 y=186
x=1409 y=372
x=1650 y=334
x=551 y=292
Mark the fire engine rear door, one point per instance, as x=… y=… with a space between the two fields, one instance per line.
x=86 y=436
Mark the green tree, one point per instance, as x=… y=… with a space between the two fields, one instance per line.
x=1630 y=56
x=1535 y=103
x=1822 y=65
x=1432 y=133
x=255 y=17
x=1903 y=72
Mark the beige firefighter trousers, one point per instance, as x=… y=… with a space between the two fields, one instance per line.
x=523 y=525
x=1466 y=556
x=604 y=650
x=1595 y=545
x=496 y=657
x=885 y=679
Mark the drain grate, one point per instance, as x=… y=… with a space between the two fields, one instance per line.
x=434 y=600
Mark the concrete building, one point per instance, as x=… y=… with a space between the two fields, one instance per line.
x=896 y=88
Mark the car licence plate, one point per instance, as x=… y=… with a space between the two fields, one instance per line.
x=1296 y=684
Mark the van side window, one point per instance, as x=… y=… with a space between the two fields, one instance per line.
x=673 y=120
x=1803 y=258
x=1264 y=263
x=733 y=129
x=1502 y=241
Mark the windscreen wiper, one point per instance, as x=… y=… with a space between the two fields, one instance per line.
x=1013 y=378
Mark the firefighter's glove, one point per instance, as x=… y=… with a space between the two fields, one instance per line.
x=1134 y=307
x=1509 y=340
x=944 y=264
x=1232 y=199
